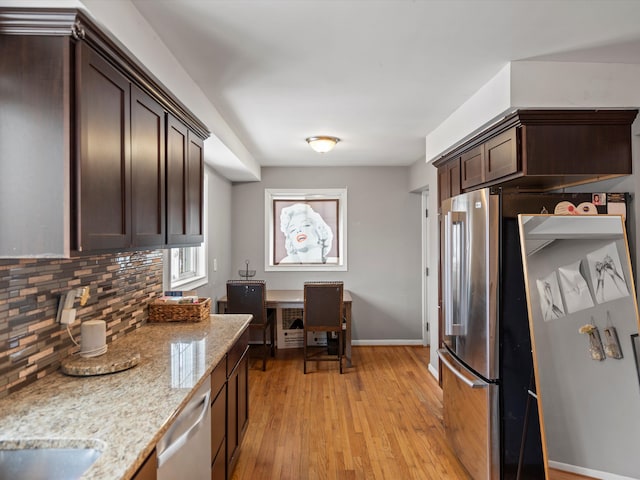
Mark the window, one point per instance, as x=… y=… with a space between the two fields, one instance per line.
x=188 y=265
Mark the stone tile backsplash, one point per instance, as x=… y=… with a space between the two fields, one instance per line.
x=32 y=344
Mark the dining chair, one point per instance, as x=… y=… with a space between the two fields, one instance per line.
x=250 y=296
x=323 y=311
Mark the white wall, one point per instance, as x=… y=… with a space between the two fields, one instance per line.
x=574 y=85
x=488 y=104
x=530 y=84
x=219 y=236
x=383 y=248
x=586 y=85
x=423 y=176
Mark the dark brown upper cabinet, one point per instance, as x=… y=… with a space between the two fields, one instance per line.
x=185 y=170
x=472 y=167
x=104 y=160
x=449 y=179
x=496 y=158
x=501 y=155
x=148 y=153
x=83 y=146
x=542 y=150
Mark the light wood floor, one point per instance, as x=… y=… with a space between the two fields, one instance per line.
x=381 y=419
x=561 y=475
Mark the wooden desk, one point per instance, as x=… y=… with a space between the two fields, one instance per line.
x=295 y=299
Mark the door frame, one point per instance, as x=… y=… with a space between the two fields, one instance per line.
x=424 y=212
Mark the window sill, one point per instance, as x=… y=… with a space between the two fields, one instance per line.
x=190 y=284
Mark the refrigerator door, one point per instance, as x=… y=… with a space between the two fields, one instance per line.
x=471 y=418
x=470 y=279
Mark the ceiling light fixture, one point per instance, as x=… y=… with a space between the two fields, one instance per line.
x=322 y=144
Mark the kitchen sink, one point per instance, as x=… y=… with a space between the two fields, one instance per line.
x=47 y=460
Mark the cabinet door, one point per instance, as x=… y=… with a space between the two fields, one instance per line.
x=232 y=418
x=185 y=171
x=449 y=179
x=218 y=422
x=219 y=465
x=501 y=155
x=218 y=412
x=472 y=167
x=243 y=397
x=148 y=470
x=147 y=170
x=454 y=178
x=103 y=187
x=176 y=180
x=237 y=410
x=195 y=189
x=444 y=190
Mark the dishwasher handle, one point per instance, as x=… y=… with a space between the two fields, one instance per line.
x=179 y=442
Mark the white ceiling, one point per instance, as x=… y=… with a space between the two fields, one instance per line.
x=378 y=74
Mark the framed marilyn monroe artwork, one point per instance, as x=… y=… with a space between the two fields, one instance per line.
x=305 y=229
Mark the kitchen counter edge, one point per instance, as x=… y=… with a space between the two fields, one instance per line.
x=124 y=413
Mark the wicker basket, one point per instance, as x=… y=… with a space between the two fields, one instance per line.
x=179 y=312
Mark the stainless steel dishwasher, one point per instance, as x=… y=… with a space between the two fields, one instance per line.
x=185 y=450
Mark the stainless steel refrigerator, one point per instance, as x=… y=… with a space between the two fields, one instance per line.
x=487 y=368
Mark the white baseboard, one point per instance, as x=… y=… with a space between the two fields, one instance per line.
x=434 y=371
x=586 y=471
x=385 y=343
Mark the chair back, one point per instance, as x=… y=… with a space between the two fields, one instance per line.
x=323 y=305
x=247 y=296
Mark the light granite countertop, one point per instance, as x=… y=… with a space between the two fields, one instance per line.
x=122 y=414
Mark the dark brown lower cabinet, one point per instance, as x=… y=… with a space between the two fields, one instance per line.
x=219 y=421
x=229 y=413
x=237 y=399
x=148 y=470
x=219 y=466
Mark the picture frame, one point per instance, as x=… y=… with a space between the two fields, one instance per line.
x=305 y=230
x=599 y=198
x=550 y=298
x=575 y=289
x=607 y=276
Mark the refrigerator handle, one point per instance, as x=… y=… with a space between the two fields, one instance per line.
x=470 y=383
x=448 y=296
x=451 y=327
